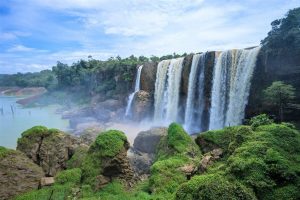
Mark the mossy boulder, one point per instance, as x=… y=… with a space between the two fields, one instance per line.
x=107 y=159
x=48 y=148
x=18 y=173
x=176 y=151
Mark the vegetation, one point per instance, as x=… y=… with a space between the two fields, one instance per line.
x=259 y=120
x=264 y=161
x=279 y=95
x=285 y=34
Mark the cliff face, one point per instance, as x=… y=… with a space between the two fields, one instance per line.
x=274 y=66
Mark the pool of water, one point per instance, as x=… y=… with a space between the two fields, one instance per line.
x=16 y=119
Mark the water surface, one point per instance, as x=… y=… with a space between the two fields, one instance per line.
x=12 y=125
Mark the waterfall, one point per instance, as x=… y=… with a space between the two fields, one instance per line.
x=231 y=83
x=195 y=106
x=136 y=89
x=167 y=86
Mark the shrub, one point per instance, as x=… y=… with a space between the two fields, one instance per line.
x=259 y=120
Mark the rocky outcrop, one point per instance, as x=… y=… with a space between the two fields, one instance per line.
x=148 y=77
x=142 y=104
x=142 y=154
x=187 y=63
x=209 y=158
x=48 y=148
x=18 y=173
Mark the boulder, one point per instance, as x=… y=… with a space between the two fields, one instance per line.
x=48 y=148
x=140 y=162
x=147 y=141
x=18 y=173
x=141 y=105
x=107 y=160
x=148 y=77
x=142 y=154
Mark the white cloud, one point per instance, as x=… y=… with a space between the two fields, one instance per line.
x=20 y=48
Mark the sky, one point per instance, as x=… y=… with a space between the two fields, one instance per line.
x=35 y=34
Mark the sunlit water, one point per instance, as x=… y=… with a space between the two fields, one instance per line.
x=12 y=125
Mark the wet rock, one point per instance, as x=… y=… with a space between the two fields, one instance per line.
x=148 y=77
x=18 y=173
x=147 y=141
x=142 y=104
x=142 y=154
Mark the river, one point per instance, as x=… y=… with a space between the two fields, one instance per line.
x=12 y=125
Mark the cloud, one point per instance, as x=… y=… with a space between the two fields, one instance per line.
x=19 y=48
x=40 y=32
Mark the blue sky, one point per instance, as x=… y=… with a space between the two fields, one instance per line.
x=35 y=34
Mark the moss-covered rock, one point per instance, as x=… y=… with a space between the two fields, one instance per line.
x=107 y=159
x=49 y=148
x=18 y=173
x=175 y=151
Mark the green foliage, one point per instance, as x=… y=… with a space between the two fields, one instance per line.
x=259 y=120
x=285 y=34
x=36 y=131
x=279 y=93
x=70 y=176
x=211 y=187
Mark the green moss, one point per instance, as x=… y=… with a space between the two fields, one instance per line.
x=109 y=143
x=211 y=187
x=78 y=158
x=71 y=176
x=260 y=120
x=36 y=131
x=175 y=150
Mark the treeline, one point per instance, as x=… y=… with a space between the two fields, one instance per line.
x=110 y=77
x=285 y=34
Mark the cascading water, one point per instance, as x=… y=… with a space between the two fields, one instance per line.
x=136 y=89
x=167 y=87
x=195 y=105
x=231 y=83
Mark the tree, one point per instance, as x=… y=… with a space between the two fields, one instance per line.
x=279 y=95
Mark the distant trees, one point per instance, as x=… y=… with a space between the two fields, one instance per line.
x=279 y=95
x=285 y=33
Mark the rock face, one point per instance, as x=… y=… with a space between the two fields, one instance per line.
x=273 y=66
x=187 y=63
x=209 y=159
x=142 y=104
x=142 y=154
x=148 y=77
x=48 y=148
x=18 y=173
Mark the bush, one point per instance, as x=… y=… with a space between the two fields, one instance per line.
x=260 y=120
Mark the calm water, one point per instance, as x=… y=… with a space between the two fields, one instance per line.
x=11 y=126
